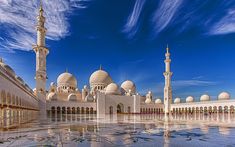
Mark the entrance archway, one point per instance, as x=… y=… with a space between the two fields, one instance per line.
x=120 y=108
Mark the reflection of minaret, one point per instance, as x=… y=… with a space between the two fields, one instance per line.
x=166 y=132
x=167 y=89
x=41 y=52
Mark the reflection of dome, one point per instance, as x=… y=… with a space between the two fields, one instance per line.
x=100 y=77
x=189 y=99
x=224 y=96
x=128 y=85
x=72 y=97
x=66 y=79
x=148 y=100
x=177 y=100
x=204 y=129
x=224 y=130
x=205 y=97
x=112 y=88
x=52 y=96
x=158 y=101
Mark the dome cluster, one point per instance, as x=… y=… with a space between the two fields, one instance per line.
x=66 y=87
x=205 y=98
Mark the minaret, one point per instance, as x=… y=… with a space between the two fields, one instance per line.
x=167 y=89
x=41 y=53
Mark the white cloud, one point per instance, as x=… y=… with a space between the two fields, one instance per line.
x=131 y=26
x=226 y=25
x=164 y=13
x=19 y=19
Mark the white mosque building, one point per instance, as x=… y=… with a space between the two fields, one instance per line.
x=101 y=96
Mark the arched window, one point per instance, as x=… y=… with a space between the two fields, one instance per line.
x=87 y=110
x=78 y=110
x=91 y=110
x=129 y=109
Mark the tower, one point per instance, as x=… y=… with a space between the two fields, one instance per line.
x=167 y=89
x=41 y=53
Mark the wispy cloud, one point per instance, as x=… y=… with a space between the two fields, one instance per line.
x=19 y=19
x=186 y=83
x=164 y=14
x=206 y=17
x=132 y=24
x=226 y=25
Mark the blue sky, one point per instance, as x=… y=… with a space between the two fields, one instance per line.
x=129 y=39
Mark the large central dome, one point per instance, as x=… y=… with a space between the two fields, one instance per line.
x=100 y=77
x=66 y=79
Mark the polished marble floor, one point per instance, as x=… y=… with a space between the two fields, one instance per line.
x=118 y=130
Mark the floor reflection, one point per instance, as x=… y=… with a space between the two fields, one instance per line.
x=20 y=128
x=16 y=118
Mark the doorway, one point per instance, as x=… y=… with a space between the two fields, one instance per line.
x=120 y=108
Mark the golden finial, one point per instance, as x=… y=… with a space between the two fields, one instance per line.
x=66 y=70
x=40 y=8
x=100 y=67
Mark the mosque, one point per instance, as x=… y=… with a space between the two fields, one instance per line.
x=101 y=96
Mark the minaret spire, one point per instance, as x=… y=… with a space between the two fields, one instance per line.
x=167 y=89
x=167 y=48
x=41 y=53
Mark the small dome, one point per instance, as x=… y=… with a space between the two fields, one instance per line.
x=224 y=96
x=85 y=87
x=205 y=97
x=52 y=96
x=27 y=87
x=72 y=97
x=20 y=80
x=52 y=84
x=128 y=85
x=89 y=98
x=158 y=101
x=7 y=68
x=66 y=79
x=189 y=99
x=112 y=88
x=177 y=100
x=148 y=101
x=100 y=77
